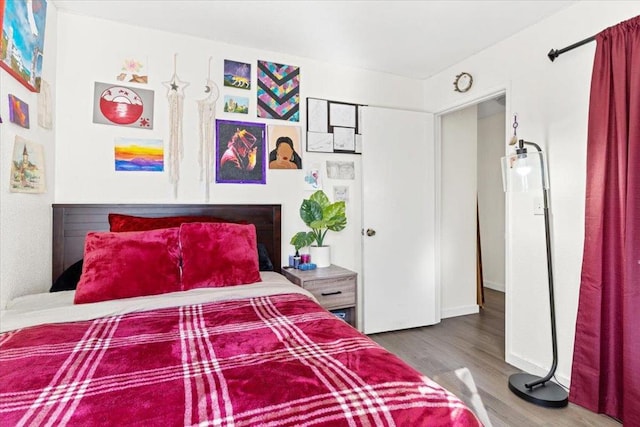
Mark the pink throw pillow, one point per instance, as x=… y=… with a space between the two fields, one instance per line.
x=218 y=254
x=120 y=222
x=130 y=264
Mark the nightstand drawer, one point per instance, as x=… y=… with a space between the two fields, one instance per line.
x=334 y=287
x=333 y=293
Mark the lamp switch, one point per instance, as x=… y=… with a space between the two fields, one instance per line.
x=538 y=206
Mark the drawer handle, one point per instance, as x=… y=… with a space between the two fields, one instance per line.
x=326 y=294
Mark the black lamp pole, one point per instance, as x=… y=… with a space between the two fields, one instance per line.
x=529 y=387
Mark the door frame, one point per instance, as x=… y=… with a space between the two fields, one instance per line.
x=467 y=102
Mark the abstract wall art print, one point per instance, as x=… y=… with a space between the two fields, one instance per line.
x=240 y=152
x=27 y=167
x=18 y=112
x=22 y=40
x=122 y=106
x=312 y=178
x=278 y=91
x=237 y=74
x=139 y=155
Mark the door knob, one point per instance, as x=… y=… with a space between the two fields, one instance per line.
x=371 y=232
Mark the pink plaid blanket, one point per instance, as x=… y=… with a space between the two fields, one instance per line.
x=270 y=361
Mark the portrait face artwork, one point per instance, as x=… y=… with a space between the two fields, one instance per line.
x=284 y=147
x=240 y=152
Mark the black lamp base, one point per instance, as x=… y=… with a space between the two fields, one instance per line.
x=549 y=395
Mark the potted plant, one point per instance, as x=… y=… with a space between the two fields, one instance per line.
x=319 y=214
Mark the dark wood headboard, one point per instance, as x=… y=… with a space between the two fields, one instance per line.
x=72 y=222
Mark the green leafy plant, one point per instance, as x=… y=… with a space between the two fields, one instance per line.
x=319 y=214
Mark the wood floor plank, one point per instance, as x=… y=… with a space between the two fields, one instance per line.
x=477 y=342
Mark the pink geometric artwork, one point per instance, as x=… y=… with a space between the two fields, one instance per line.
x=278 y=91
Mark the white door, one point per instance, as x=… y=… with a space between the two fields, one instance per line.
x=398 y=264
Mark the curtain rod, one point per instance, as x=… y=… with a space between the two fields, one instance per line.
x=554 y=53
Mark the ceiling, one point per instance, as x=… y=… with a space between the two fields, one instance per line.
x=415 y=39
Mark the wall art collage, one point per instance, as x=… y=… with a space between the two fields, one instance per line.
x=22 y=29
x=231 y=151
x=235 y=151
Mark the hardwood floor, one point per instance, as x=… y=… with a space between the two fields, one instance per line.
x=477 y=343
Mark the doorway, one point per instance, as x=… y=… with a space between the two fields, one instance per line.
x=472 y=203
x=491 y=197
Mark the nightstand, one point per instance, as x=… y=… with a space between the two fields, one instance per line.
x=334 y=287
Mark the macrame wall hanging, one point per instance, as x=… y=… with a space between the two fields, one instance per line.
x=175 y=95
x=207 y=128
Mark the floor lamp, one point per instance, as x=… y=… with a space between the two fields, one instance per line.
x=518 y=175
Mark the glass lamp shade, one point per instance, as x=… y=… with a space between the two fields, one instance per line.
x=525 y=172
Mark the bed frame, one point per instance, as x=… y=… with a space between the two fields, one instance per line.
x=72 y=222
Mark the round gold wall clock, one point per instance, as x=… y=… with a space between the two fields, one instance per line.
x=463 y=82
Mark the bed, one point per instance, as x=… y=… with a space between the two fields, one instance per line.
x=261 y=353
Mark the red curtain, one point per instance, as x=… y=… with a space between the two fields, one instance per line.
x=605 y=376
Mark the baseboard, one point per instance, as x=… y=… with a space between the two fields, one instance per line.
x=493 y=285
x=534 y=369
x=459 y=311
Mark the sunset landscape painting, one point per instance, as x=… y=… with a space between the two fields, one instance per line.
x=139 y=155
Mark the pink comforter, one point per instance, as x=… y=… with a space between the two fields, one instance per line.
x=279 y=360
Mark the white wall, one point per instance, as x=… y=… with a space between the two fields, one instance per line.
x=458 y=262
x=551 y=100
x=25 y=219
x=491 y=139
x=92 y=50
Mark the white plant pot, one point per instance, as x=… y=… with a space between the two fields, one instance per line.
x=320 y=255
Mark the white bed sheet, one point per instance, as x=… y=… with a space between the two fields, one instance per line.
x=58 y=307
